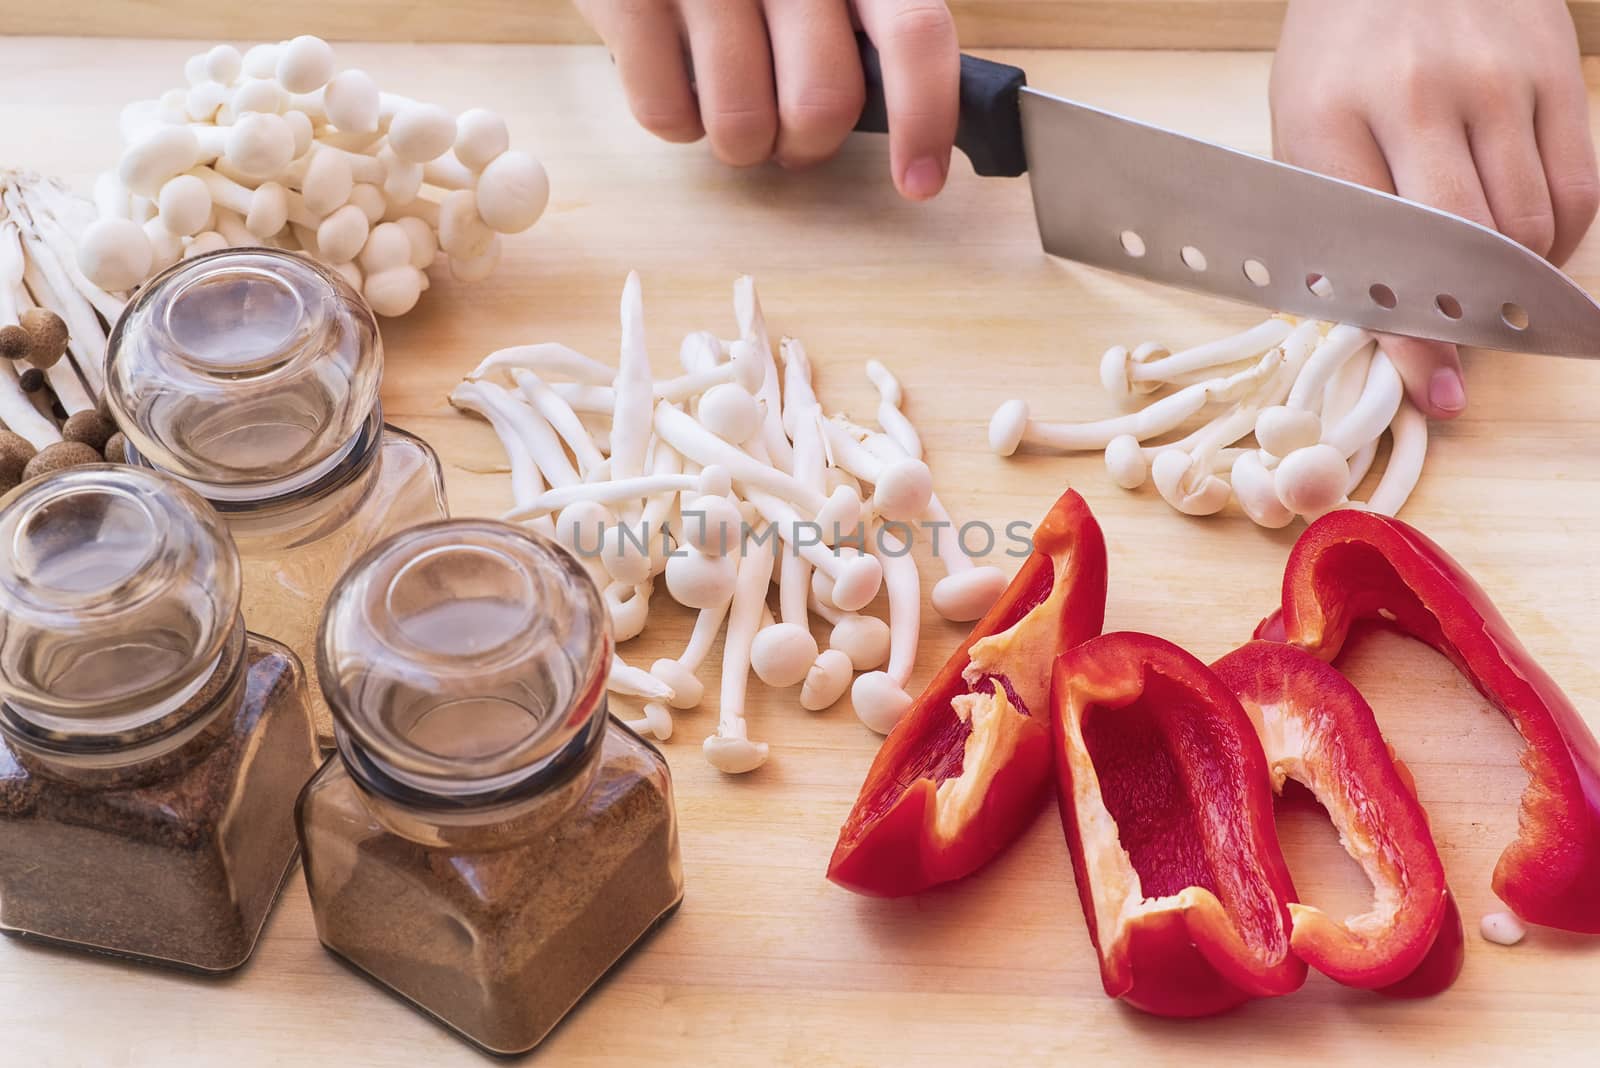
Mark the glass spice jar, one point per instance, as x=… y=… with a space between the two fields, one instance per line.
x=252 y=375
x=487 y=841
x=150 y=749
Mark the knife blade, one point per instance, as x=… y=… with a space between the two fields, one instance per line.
x=1141 y=200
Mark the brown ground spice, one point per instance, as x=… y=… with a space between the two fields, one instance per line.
x=498 y=942
x=176 y=860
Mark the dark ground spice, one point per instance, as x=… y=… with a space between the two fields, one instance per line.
x=501 y=940
x=177 y=859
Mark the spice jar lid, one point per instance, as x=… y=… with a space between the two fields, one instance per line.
x=462 y=657
x=246 y=372
x=121 y=594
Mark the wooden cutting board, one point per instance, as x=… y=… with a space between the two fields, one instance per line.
x=768 y=963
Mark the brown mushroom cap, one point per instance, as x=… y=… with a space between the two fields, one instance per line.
x=49 y=334
x=15 y=342
x=117 y=449
x=58 y=457
x=15 y=452
x=32 y=380
x=89 y=427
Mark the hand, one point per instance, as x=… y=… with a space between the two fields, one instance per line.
x=781 y=79
x=1474 y=106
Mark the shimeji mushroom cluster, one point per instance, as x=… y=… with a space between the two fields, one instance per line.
x=274 y=147
x=1317 y=397
x=721 y=482
x=53 y=324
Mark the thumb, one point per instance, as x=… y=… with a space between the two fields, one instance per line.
x=1431 y=371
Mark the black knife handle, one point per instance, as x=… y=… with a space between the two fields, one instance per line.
x=990 y=129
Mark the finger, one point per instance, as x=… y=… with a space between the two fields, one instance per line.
x=818 y=73
x=1566 y=149
x=1507 y=158
x=646 y=43
x=1337 y=143
x=1431 y=371
x=1433 y=165
x=916 y=41
x=733 y=76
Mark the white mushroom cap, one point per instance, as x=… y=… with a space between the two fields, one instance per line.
x=300 y=126
x=327 y=183
x=579 y=526
x=261 y=61
x=734 y=756
x=1117 y=364
x=826 y=682
x=115 y=254
x=421 y=132
x=1312 y=480
x=194 y=69
x=351 y=101
x=166 y=247
x=783 y=654
x=202 y=101
x=342 y=235
x=305 y=64
x=269 y=210
x=879 y=701
x=1126 y=462
x=858 y=582
x=697 y=580
x=388 y=245
x=903 y=490
x=350 y=273
x=395 y=291
x=1187 y=485
x=711 y=524
x=1006 y=427
x=656 y=721
x=1257 y=493
x=716 y=480
x=424 y=242
x=730 y=412
x=863 y=639
x=512 y=192
x=841 y=512
x=223 y=64
x=687 y=689
x=258 y=95
x=163 y=152
x=1502 y=928
x=260 y=145
x=481 y=136
x=1281 y=430
x=184 y=205
x=965 y=595
x=203 y=243
x=621 y=553
x=369 y=198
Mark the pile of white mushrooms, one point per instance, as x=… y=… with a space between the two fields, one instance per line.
x=1317 y=397
x=274 y=147
x=722 y=481
x=53 y=324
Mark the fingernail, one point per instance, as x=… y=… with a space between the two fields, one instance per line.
x=1446 y=391
x=922 y=179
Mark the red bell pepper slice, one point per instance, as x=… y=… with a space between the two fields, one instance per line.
x=1316 y=729
x=968 y=766
x=1168 y=813
x=1353 y=567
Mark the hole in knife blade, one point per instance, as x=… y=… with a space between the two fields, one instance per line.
x=1514 y=315
x=1383 y=296
x=1193 y=258
x=1448 y=306
x=1319 y=286
x=1258 y=274
x=1132 y=244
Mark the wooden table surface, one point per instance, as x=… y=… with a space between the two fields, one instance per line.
x=768 y=963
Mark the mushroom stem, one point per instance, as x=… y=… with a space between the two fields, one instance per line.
x=657 y=721
x=730 y=749
x=890 y=417
x=624 y=678
x=547 y=358
x=1410 y=429
x=542 y=442
x=612 y=491
x=684 y=433
x=555 y=411
x=856 y=577
x=1338 y=345
x=525 y=482
x=900 y=486
x=1380 y=400
x=753 y=328
x=1248 y=345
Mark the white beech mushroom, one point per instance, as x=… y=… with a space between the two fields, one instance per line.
x=900 y=487
x=730 y=750
x=894 y=422
x=1124 y=374
x=862 y=638
x=626 y=679
x=1410 y=430
x=880 y=697
x=753 y=328
x=680 y=673
x=656 y=720
x=856 y=576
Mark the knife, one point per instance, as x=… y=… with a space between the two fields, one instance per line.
x=1135 y=198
